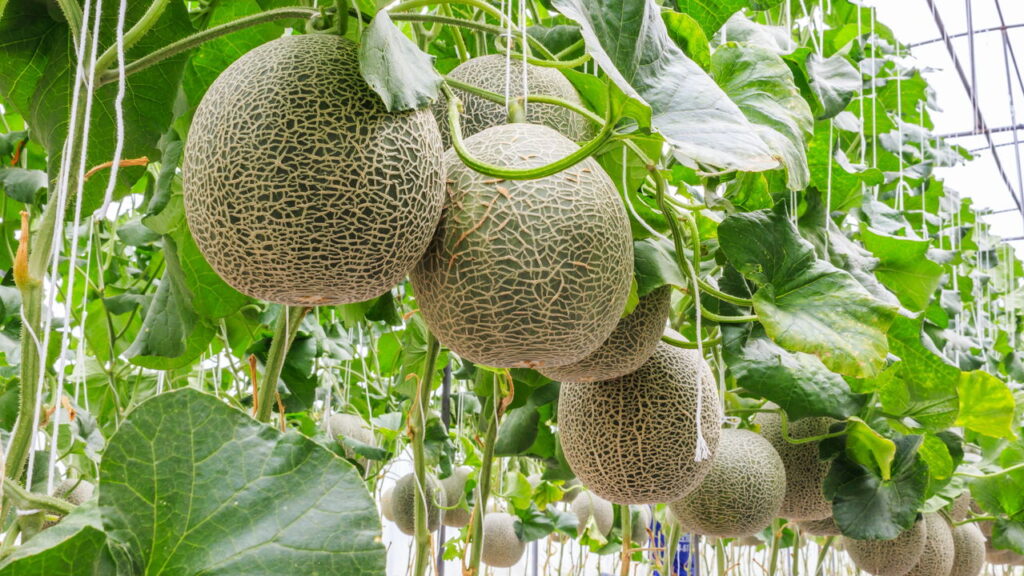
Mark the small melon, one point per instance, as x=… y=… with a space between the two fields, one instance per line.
x=629 y=346
x=299 y=186
x=968 y=550
x=631 y=440
x=741 y=494
x=386 y=499
x=747 y=541
x=588 y=505
x=805 y=471
x=342 y=426
x=823 y=527
x=454 y=489
x=526 y=273
x=501 y=548
x=488 y=73
x=893 y=557
x=937 y=557
x=403 y=503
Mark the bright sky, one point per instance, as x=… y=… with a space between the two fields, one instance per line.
x=912 y=22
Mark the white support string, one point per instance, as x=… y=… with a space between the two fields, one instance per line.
x=42 y=340
x=525 y=48
x=118 y=109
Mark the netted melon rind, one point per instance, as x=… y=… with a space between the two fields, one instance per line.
x=341 y=426
x=587 y=505
x=968 y=550
x=629 y=346
x=893 y=557
x=742 y=492
x=488 y=73
x=805 y=471
x=454 y=488
x=937 y=557
x=526 y=273
x=823 y=527
x=631 y=440
x=299 y=187
x=501 y=548
x=386 y=503
x=960 y=507
x=403 y=503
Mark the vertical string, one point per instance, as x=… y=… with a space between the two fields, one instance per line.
x=118 y=108
x=526 y=48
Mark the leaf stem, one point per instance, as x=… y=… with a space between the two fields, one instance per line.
x=189 y=42
x=28 y=500
x=690 y=345
x=455 y=125
x=570 y=49
x=482 y=6
x=822 y=553
x=418 y=426
x=726 y=319
x=136 y=32
x=784 y=421
x=720 y=557
x=531 y=98
x=627 y=533
x=1013 y=468
x=287 y=326
x=484 y=481
x=691 y=224
x=976 y=519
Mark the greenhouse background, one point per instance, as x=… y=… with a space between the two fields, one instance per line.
x=512 y=287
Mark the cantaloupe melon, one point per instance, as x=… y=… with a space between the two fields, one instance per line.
x=629 y=346
x=893 y=557
x=805 y=471
x=299 y=186
x=742 y=492
x=403 y=503
x=937 y=556
x=454 y=490
x=501 y=547
x=342 y=426
x=526 y=273
x=968 y=550
x=631 y=440
x=489 y=73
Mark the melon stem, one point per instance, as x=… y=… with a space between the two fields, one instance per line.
x=627 y=534
x=455 y=126
x=417 y=426
x=822 y=553
x=484 y=482
x=287 y=325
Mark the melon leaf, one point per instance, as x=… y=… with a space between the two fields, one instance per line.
x=711 y=15
x=396 y=69
x=628 y=39
x=986 y=404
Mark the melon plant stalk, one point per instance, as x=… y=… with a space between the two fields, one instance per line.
x=417 y=428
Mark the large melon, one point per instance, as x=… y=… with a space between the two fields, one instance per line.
x=342 y=426
x=488 y=73
x=937 y=556
x=629 y=346
x=893 y=557
x=805 y=471
x=968 y=550
x=299 y=187
x=631 y=440
x=458 y=513
x=742 y=492
x=527 y=273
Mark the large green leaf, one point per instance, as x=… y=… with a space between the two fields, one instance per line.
x=628 y=39
x=986 y=404
x=713 y=13
x=806 y=304
x=923 y=384
x=395 y=68
x=870 y=449
x=761 y=84
x=77 y=546
x=173 y=334
x=654 y=263
x=865 y=506
x=36 y=77
x=797 y=382
x=193 y=486
x=904 y=267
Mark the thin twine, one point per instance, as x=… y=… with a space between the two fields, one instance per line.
x=506 y=9
x=118 y=109
x=701 y=451
x=525 y=47
x=62 y=191
x=874 y=102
